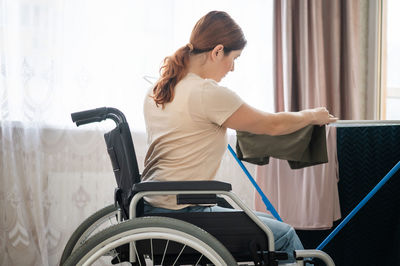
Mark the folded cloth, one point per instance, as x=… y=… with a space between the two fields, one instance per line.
x=302 y=148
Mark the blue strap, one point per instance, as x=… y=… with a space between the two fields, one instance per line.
x=263 y=197
x=359 y=206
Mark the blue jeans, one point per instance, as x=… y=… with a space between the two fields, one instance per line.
x=285 y=236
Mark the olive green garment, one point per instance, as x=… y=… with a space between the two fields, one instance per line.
x=302 y=148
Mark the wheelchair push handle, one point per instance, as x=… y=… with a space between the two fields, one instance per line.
x=98 y=115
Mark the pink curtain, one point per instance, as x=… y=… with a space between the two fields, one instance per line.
x=304 y=198
x=317 y=56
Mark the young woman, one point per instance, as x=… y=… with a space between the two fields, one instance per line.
x=187 y=114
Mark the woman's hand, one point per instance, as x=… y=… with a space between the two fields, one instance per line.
x=320 y=116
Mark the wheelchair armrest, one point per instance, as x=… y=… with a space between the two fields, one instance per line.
x=182 y=186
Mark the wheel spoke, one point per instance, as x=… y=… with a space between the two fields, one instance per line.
x=96 y=229
x=110 y=220
x=137 y=254
x=165 y=251
x=152 y=253
x=197 y=263
x=117 y=256
x=179 y=255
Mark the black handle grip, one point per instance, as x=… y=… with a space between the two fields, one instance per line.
x=98 y=115
x=88 y=121
x=89 y=116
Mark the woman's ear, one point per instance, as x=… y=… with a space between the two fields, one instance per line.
x=217 y=52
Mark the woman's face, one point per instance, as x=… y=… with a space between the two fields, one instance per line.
x=227 y=63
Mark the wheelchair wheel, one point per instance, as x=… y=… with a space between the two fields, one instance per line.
x=157 y=241
x=98 y=221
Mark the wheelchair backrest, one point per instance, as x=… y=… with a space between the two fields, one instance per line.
x=123 y=157
x=120 y=149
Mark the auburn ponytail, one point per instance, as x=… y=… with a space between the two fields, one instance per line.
x=172 y=71
x=216 y=27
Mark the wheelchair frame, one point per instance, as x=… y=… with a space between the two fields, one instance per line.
x=197 y=190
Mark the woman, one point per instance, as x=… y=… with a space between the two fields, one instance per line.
x=187 y=114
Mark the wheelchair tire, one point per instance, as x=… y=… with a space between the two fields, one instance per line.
x=154 y=235
x=103 y=218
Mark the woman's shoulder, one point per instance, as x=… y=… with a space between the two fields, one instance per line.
x=208 y=90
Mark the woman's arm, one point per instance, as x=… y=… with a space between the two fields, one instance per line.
x=249 y=119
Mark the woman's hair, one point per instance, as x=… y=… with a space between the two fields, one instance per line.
x=214 y=28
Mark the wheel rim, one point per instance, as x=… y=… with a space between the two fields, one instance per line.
x=165 y=234
x=97 y=226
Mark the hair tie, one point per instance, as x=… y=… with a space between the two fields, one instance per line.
x=190 y=46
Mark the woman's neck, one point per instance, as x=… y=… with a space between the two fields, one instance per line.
x=196 y=65
x=201 y=65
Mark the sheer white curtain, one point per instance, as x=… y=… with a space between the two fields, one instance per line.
x=58 y=57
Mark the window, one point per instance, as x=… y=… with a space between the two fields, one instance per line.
x=58 y=57
x=392 y=56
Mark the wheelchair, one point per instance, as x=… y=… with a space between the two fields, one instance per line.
x=123 y=234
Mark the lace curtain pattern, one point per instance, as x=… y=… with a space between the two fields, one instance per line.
x=58 y=57
x=51 y=180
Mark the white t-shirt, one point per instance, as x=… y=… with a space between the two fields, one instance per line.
x=186 y=139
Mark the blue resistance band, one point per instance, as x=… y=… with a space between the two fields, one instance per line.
x=359 y=206
x=263 y=197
